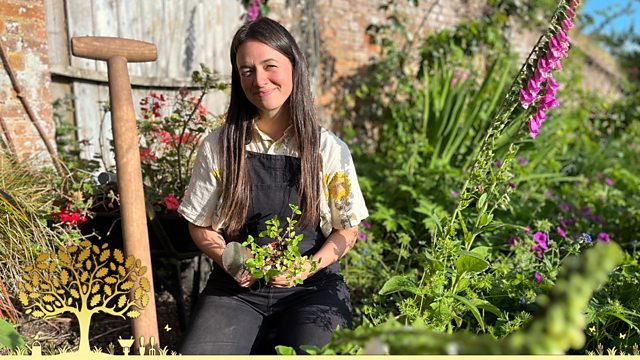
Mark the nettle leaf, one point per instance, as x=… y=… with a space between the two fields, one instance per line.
x=470 y=262
x=399 y=283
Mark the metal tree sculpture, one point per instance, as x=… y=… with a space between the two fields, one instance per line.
x=84 y=279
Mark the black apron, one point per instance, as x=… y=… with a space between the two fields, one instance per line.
x=274 y=183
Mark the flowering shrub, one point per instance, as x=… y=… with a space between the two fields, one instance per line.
x=170 y=132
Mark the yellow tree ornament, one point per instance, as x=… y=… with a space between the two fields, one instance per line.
x=84 y=279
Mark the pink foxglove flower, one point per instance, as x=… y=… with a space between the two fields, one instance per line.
x=566 y=24
x=561 y=232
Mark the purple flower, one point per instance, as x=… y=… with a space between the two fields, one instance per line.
x=599 y=175
x=561 y=232
x=544 y=65
x=362 y=236
x=513 y=240
x=608 y=181
x=551 y=86
x=585 y=209
x=497 y=163
x=365 y=224
x=564 y=207
x=511 y=185
x=571 y=13
x=548 y=194
x=522 y=160
x=593 y=217
x=547 y=102
x=566 y=24
x=526 y=98
x=586 y=237
x=534 y=128
x=538 y=277
x=541 y=239
x=604 y=237
x=455 y=194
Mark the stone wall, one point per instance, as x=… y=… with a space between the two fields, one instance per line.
x=23 y=35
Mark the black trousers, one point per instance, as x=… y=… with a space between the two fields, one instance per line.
x=233 y=320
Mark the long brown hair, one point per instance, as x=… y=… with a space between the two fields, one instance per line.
x=236 y=132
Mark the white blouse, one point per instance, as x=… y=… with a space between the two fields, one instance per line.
x=341 y=203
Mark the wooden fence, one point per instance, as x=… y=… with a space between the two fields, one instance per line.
x=186 y=33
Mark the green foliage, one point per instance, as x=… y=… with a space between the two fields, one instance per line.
x=281 y=256
x=556 y=327
x=9 y=337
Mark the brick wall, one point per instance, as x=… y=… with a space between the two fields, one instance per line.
x=24 y=38
x=345 y=49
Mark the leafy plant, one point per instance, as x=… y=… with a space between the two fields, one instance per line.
x=280 y=256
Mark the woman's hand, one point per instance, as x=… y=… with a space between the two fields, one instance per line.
x=285 y=280
x=244 y=278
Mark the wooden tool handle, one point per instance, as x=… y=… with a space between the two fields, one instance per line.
x=103 y=48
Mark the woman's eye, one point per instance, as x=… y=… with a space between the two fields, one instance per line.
x=246 y=73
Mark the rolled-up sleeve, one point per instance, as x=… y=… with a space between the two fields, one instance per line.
x=346 y=203
x=200 y=202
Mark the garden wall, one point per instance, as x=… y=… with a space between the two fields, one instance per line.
x=24 y=39
x=333 y=36
x=331 y=33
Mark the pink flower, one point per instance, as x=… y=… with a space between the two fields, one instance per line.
x=541 y=239
x=561 y=232
x=526 y=229
x=608 y=181
x=566 y=24
x=604 y=237
x=571 y=13
x=538 y=277
x=365 y=224
x=534 y=128
x=164 y=137
x=574 y=3
x=526 y=98
x=171 y=202
x=552 y=85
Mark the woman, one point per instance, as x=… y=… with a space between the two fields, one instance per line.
x=270 y=153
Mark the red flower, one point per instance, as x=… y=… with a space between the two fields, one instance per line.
x=69 y=216
x=171 y=202
x=146 y=155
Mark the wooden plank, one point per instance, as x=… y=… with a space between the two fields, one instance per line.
x=87 y=111
x=58 y=48
x=176 y=36
x=142 y=81
x=151 y=27
x=80 y=23
x=104 y=23
x=130 y=27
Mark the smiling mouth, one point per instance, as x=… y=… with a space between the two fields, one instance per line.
x=266 y=92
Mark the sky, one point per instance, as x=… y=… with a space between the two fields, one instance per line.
x=621 y=23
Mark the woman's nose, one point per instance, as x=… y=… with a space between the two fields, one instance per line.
x=261 y=77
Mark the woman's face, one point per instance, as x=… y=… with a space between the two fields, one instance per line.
x=266 y=76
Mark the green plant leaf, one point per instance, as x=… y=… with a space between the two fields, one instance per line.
x=474 y=310
x=285 y=350
x=470 y=262
x=482 y=202
x=399 y=283
x=485 y=305
x=9 y=337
